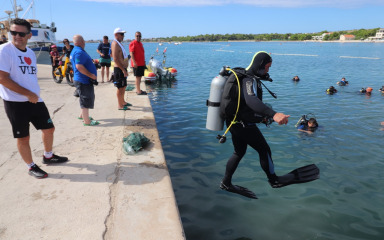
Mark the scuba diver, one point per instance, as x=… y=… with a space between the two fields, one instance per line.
x=331 y=90
x=296 y=79
x=366 y=91
x=343 y=82
x=307 y=125
x=242 y=125
x=381 y=89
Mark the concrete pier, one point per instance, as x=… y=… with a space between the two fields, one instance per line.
x=101 y=193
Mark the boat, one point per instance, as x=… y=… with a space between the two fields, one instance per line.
x=43 y=36
x=155 y=70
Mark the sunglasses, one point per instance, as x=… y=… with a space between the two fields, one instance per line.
x=122 y=34
x=138 y=35
x=21 y=34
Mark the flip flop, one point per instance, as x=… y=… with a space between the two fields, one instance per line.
x=125 y=108
x=127 y=104
x=142 y=93
x=90 y=118
x=93 y=123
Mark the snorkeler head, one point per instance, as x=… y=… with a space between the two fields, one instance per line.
x=258 y=65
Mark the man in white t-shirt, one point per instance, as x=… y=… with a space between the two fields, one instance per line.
x=20 y=92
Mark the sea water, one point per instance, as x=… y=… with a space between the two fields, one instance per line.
x=345 y=203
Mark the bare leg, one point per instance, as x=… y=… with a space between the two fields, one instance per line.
x=47 y=135
x=120 y=97
x=85 y=115
x=107 y=68
x=102 y=73
x=25 y=149
x=137 y=82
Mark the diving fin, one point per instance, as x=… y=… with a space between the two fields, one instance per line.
x=239 y=190
x=300 y=175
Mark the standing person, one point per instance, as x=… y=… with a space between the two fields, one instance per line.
x=67 y=49
x=136 y=50
x=120 y=72
x=84 y=76
x=242 y=125
x=20 y=91
x=104 y=50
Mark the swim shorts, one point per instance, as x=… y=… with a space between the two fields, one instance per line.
x=120 y=81
x=105 y=62
x=20 y=114
x=139 y=71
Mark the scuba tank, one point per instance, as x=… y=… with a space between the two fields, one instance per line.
x=305 y=118
x=302 y=121
x=214 y=121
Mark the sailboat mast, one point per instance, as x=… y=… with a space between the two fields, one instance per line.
x=15 y=8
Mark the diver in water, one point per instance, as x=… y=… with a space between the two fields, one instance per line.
x=366 y=91
x=307 y=125
x=242 y=125
x=343 y=82
x=331 y=90
x=296 y=79
x=382 y=89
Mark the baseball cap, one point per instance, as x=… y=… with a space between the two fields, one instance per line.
x=118 y=30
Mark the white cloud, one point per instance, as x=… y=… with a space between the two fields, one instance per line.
x=257 y=3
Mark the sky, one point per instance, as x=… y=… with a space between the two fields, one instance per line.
x=166 y=18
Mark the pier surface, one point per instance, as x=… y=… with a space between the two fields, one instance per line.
x=100 y=193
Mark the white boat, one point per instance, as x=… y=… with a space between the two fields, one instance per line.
x=43 y=36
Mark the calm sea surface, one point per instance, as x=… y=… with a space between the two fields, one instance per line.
x=347 y=202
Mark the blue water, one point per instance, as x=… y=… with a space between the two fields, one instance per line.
x=345 y=203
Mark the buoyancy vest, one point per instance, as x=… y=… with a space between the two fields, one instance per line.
x=230 y=98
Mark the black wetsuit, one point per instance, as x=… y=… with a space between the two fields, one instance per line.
x=246 y=132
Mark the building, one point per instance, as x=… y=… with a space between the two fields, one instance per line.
x=347 y=37
x=379 y=35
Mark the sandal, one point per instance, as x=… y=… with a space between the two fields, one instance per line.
x=93 y=123
x=127 y=104
x=125 y=108
x=80 y=118
x=142 y=93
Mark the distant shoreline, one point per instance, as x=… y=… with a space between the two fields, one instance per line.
x=285 y=41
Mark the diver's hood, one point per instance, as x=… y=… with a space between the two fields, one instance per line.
x=257 y=66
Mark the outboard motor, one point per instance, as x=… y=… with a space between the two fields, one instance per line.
x=157 y=68
x=214 y=120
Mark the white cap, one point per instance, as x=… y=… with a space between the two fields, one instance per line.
x=118 y=30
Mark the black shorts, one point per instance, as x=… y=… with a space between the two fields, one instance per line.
x=103 y=64
x=20 y=114
x=119 y=80
x=139 y=71
x=86 y=94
